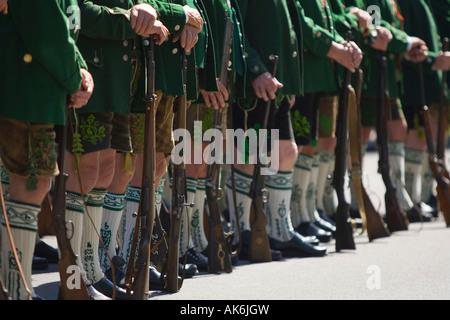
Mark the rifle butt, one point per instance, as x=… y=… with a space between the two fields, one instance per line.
x=444 y=203
x=141 y=287
x=376 y=228
x=344 y=232
x=259 y=247
x=396 y=220
x=219 y=259
x=172 y=284
x=77 y=290
x=45 y=227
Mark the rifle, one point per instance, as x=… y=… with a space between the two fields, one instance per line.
x=437 y=164
x=259 y=247
x=45 y=218
x=146 y=212
x=67 y=257
x=219 y=259
x=372 y=221
x=344 y=232
x=396 y=220
x=442 y=138
x=179 y=195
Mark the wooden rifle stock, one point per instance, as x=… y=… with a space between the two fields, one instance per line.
x=344 y=233
x=259 y=247
x=396 y=220
x=219 y=259
x=436 y=162
x=67 y=258
x=179 y=196
x=146 y=213
x=371 y=218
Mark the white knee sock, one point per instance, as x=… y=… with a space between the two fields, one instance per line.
x=322 y=178
x=312 y=188
x=428 y=181
x=413 y=172
x=90 y=240
x=302 y=175
x=112 y=215
x=329 y=195
x=74 y=217
x=197 y=219
x=278 y=206
x=132 y=198
x=22 y=219
x=185 y=236
x=397 y=164
x=243 y=201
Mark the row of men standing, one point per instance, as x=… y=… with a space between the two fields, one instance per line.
x=46 y=60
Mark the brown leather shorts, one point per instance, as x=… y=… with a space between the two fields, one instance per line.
x=28 y=148
x=164 y=126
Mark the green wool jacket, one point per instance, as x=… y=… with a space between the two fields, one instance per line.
x=216 y=12
x=319 y=32
x=419 y=22
x=108 y=46
x=396 y=48
x=269 y=31
x=39 y=61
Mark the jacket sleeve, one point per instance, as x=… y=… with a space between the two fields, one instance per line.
x=172 y=15
x=316 y=39
x=44 y=30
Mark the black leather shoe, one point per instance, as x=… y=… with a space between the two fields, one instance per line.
x=432 y=202
x=39 y=263
x=106 y=287
x=310 y=229
x=326 y=217
x=43 y=250
x=243 y=254
x=157 y=281
x=425 y=208
x=189 y=270
x=96 y=295
x=92 y=292
x=325 y=225
x=415 y=215
x=296 y=247
x=195 y=257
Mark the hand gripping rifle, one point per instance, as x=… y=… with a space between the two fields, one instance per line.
x=437 y=164
x=372 y=221
x=259 y=247
x=146 y=212
x=395 y=218
x=179 y=194
x=344 y=232
x=219 y=259
x=67 y=258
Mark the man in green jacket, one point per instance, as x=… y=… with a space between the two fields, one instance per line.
x=323 y=47
x=103 y=128
x=399 y=44
x=184 y=24
x=264 y=20
x=214 y=95
x=420 y=22
x=40 y=69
